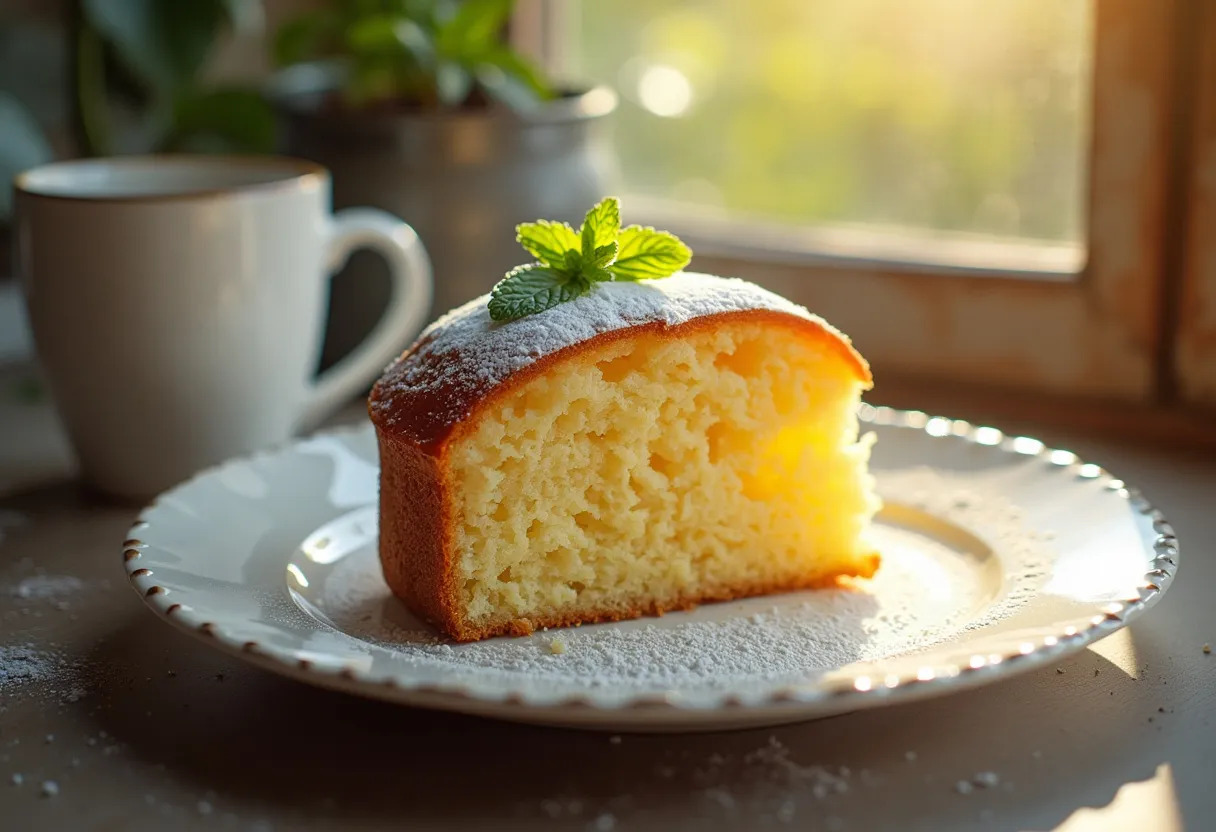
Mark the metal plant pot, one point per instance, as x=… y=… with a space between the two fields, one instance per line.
x=463 y=179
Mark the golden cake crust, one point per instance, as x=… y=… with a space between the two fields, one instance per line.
x=416 y=422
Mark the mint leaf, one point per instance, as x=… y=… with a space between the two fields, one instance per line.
x=549 y=242
x=603 y=257
x=588 y=235
x=601 y=225
x=570 y=262
x=648 y=254
x=533 y=288
x=596 y=275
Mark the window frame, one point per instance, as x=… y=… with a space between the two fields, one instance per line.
x=1194 y=359
x=1092 y=329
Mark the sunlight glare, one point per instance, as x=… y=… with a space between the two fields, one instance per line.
x=295 y=572
x=665 y=91
x=1120 y=650
x=1139 y=804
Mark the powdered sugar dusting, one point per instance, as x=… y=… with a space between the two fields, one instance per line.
x=769 y=782
x=491 y=351
x=923 y=592
x=25 y=663
x=926 y=593
x=46 y=586
x=1023 y=554
x=465 y=352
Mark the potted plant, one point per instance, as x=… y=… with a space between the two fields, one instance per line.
x=421 y=107
x=106 y=77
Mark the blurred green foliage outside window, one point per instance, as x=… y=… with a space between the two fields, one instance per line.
x=950 y=115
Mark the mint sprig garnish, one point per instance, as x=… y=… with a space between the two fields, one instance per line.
x=601 y=225
x=643 y=253
x=547 y=241
x=569 y=261
x=531 y=288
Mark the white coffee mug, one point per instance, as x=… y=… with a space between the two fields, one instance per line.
x=178 y=303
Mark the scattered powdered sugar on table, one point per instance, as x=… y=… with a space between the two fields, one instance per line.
x=772 y=762
x=981 y=780
x=925 y=593
x=24 y=663
x=40 y=669
x=767 y=783
x=46 y=587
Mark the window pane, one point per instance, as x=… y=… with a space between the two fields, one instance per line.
x=951 y=115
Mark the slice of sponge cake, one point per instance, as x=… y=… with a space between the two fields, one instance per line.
x=645 y=447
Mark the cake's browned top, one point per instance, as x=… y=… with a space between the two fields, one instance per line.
x=464 y=356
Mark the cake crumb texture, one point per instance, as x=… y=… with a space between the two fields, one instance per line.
x=649 y=471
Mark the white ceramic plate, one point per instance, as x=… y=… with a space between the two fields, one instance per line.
x=999 y=555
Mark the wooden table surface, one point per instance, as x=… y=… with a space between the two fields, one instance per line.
x=140 y=727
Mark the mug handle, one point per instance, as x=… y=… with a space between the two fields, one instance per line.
x=408 y=305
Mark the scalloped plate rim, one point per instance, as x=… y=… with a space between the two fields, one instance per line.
x=667 y=712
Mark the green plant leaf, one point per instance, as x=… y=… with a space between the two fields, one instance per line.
x=587 y=240
x=222 y=120
x=426 y=12
x=378 y=77
x=164 y=42
x=28 y=390
x=596 y=275
x=453 y=82
x=22 y=146
x=416 y=43
x=374 y=33
x=474 y=29
x=245 y=16
x=95 y=134
x=305 y=37
x=600 y=226
x=571 y=263
x=549 y=242
x=389 y=34
x=390 y=56
x=512 y=79
x=443 y=50
x=604 y=255
x=533 y=288
x=647 y=254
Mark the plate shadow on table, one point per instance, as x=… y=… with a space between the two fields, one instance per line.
x=265 y=744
